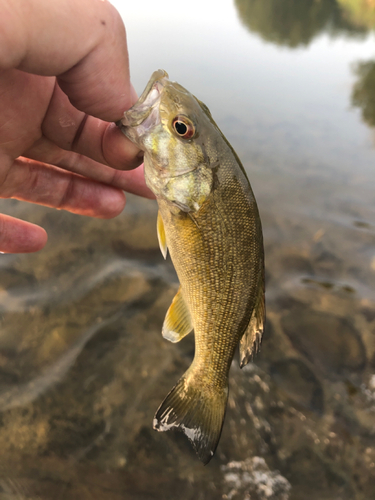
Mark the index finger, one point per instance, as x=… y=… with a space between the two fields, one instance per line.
x=73 y=130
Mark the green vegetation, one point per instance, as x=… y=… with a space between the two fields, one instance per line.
x=363 y=95
x=359 y=12
x=296 y=22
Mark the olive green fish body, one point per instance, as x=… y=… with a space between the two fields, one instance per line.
x=221 y=269
x=209 y=222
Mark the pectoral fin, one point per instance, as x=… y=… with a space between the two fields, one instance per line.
x=177 y=323
x=161 y=236
x=250 y=341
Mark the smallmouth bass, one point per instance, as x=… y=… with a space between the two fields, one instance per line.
x=209 y=221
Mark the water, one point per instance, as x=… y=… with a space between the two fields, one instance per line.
x=83 y=366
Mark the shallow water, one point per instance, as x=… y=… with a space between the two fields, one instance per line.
x=83 y=366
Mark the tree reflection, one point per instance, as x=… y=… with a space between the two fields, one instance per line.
x=360 y=12
x=297 y=22
x=363 y=94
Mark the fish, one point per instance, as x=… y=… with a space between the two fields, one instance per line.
x=209 y=222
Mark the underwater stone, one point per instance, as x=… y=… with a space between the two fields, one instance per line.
x=330 y=342
x=297 y=380
x=253 y=479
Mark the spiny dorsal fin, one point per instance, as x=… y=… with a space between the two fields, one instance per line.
x=250 y=341
x=177 y=323
x=161 y=236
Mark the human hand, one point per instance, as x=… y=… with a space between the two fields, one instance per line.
x=55 y=147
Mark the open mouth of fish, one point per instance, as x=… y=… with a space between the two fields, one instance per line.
x=145 y=115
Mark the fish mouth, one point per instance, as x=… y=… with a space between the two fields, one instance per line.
x=144 y=115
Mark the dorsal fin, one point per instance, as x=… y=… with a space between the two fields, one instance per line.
x=251 y=339
x=177 y=323
x=161 y=236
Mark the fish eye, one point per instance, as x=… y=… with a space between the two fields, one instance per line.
x=183 y=127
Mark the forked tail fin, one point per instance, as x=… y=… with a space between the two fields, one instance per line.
x=196 y=410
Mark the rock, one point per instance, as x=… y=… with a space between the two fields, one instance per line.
x=294 y=378
x=252 y=479
x=330 y=342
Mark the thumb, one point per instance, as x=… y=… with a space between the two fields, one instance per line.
x=100 y=84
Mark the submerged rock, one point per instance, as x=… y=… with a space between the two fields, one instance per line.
x=299 y=383
x=252 y=479
x=330 y=342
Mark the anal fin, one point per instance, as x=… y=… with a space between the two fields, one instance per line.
x=177 y=323
x=251 y=339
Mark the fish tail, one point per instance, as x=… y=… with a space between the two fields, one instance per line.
x=196 y=410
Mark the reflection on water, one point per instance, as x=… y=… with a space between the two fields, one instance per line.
x=297 y=22
x=359 y=12
x=363 y=94
x=83 y=365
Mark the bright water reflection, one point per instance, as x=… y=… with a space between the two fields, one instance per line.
x=83 y=366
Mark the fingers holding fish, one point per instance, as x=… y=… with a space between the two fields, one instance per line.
x=47 y=185
x=131 y=181
x=72 y=130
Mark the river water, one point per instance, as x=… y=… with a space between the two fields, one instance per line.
x=83 y=365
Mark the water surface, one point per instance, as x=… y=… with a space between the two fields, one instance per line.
x=83 y=366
